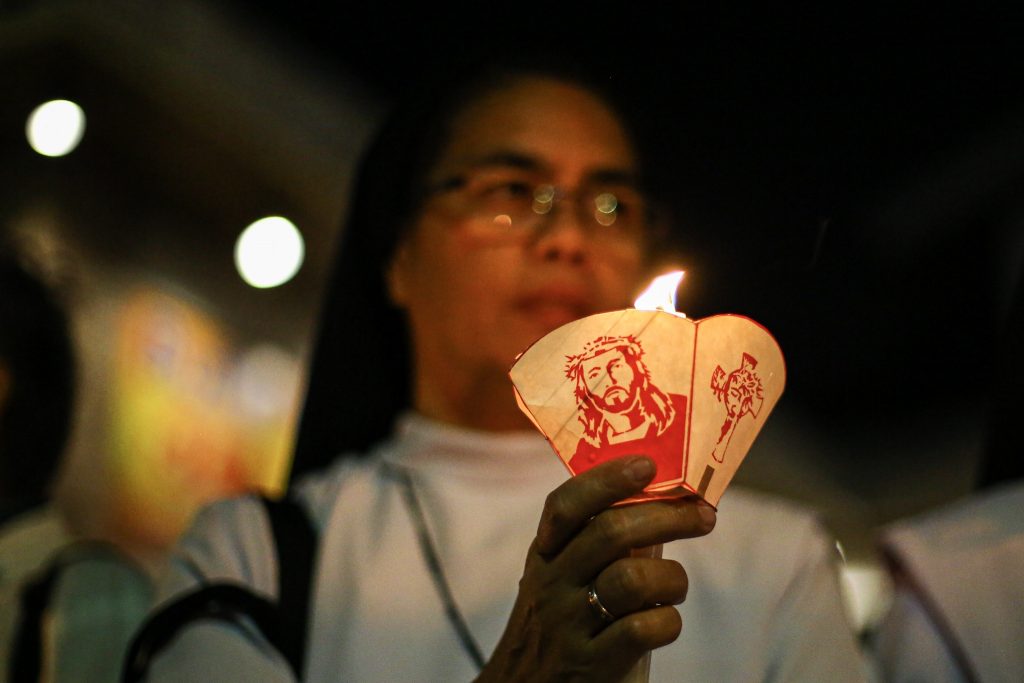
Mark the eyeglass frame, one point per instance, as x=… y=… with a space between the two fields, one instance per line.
x=651 y=225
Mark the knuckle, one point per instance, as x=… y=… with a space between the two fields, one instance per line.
x=635 y=630
x=556 y=511
x=629 y=577
x=551 y=500
x=611 y=529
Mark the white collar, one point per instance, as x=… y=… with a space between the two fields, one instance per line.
x=423 y=444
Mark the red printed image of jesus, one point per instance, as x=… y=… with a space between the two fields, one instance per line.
x=622 y=412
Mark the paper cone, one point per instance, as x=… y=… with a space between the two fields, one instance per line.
x=693 y=395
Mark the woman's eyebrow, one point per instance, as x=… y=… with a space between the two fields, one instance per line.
x=506 y=159
x=614 y=176
x=524 y=162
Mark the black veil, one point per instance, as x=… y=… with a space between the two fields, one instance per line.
x=359 y=374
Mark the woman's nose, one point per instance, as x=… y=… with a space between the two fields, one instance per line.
x=561 y=235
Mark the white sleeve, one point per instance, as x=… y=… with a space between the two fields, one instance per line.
x=908 y=648
x=229 y=541
x=815 y=641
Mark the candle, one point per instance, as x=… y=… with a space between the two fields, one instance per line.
x=691 y=394
x=660 y=295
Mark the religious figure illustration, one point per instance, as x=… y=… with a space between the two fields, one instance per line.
x=742 y=393
x=621 y=410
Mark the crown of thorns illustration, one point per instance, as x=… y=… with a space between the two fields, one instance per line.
x=597 y=347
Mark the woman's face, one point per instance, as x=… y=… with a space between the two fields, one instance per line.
x=480 y=279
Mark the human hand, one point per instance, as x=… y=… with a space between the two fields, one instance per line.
x=582 y=540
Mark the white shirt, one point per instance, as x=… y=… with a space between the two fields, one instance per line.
x=764 y=600
x=966 y=568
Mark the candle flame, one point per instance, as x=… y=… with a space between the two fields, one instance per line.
x=660 y=295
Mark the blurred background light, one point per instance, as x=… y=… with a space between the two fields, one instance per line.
x=267 y=381
x=55 y=128
x=269 y=252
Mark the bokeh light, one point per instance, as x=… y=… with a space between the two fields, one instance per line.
x=267 y=381
x=55 y=128
x=269 y=252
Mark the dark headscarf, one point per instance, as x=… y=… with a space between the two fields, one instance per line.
x=360 y=374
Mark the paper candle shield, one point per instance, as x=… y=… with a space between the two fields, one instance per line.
x=693 y=395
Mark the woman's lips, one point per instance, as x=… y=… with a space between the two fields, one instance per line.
x=553 y=308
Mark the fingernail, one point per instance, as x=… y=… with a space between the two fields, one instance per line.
x=640 y=470
x=707 y=515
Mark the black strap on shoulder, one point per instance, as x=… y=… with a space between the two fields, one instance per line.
x=295 y=541
x=283 y=624
x=218 y=601
x=26 y=656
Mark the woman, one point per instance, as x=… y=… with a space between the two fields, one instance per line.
x=472 y=234
x=68 y=605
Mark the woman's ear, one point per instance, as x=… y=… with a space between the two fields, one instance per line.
x=397 y=275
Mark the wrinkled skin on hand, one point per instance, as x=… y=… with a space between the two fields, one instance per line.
x=553 y=634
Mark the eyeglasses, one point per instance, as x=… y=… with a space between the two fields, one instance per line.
x=511 y=204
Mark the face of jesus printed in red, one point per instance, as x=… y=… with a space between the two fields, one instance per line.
x=612 y=383
x=621 y=410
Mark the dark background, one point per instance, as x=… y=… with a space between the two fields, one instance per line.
x=853 y=179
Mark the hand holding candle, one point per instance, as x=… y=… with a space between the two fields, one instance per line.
x=584 y=543
x=692 y=395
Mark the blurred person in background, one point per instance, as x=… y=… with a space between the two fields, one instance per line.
x=472 y=233
x=67 y=606
x=958 y=571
